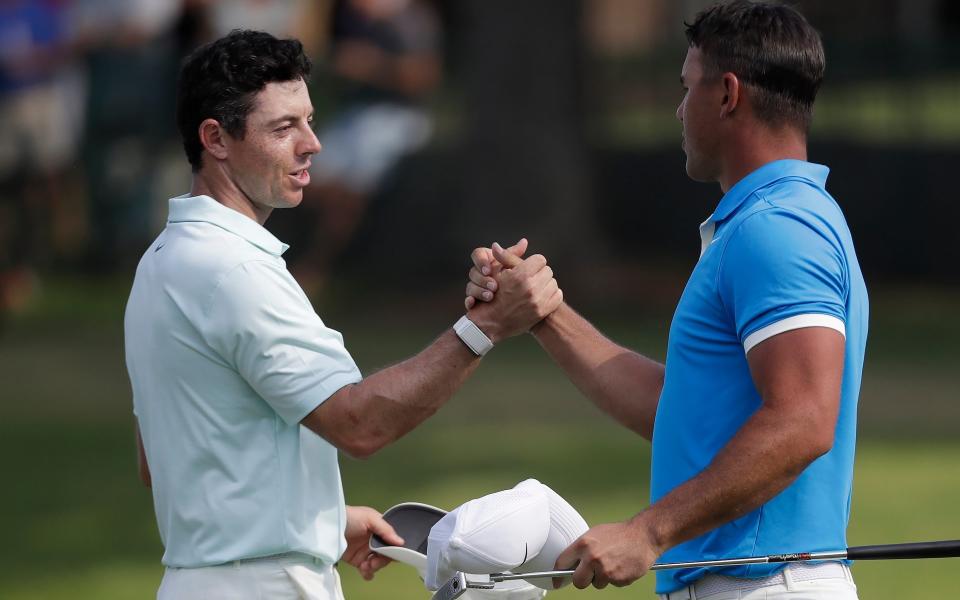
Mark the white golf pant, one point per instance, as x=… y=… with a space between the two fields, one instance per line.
x=283 y=577
x=824 y=581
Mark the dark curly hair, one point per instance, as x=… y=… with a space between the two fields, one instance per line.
x=219 y=81
x=770 y=47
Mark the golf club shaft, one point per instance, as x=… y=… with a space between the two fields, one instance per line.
x=945 y=549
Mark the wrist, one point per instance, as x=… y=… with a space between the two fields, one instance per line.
x=646 y=525
x=546 y=323
x=474 y=335
x=537 y=327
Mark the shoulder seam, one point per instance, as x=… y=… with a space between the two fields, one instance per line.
x=769 y=206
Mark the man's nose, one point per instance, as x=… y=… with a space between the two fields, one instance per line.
x=312 y=144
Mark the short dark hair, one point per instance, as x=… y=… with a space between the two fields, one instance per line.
x=770 y=47
x=219 y=81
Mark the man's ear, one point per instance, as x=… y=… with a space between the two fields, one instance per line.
x=731 y=94
x=212 y=137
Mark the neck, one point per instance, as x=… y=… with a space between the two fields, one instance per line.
x=213 y=181
x=758 y=147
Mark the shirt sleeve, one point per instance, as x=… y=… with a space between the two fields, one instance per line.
x=262 y=324
x=779 y=272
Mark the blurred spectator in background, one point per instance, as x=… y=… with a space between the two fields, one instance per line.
x=280 y=18
x=41 y=103
x=132 y=60
x=386 y=57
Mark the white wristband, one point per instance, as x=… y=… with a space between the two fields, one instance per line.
x=472 y=336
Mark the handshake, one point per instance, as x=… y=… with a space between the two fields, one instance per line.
x=508 y=294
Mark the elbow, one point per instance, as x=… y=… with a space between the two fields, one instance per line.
x=823 y=430
x=351 y=441
x=822 y=445
x=359 y=439
x=818 y=440
x=360 y=447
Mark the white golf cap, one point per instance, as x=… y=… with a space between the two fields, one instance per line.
x=566 y=525
x=413 y=521
x=523 y=529
x=495 y=533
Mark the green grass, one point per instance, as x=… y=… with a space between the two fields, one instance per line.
x=77 y=523
x=78 y=510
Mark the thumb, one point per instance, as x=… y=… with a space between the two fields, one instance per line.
x=383 y=529
x=507 y=259
x=520 y=248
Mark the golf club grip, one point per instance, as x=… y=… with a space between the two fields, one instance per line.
x=945 y=549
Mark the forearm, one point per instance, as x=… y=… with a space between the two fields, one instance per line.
x=765 y=456
x=383 y=407
x=622 y=383
x=365 y=417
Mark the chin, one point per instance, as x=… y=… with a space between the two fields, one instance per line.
x=291 y=200
x=697 y=172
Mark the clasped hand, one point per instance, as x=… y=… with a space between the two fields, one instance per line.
x=515 y=293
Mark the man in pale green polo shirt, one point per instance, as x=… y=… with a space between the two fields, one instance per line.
x=243 y=396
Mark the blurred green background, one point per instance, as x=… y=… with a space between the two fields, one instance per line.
x=77 y=523
x=552 y=119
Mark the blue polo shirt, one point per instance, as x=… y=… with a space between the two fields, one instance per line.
x=776 y=255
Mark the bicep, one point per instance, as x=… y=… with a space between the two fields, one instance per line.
x=333 y=419
x=798 y=374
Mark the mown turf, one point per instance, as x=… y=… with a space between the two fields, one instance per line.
x=78 y=525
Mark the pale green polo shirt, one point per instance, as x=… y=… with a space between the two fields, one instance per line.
x=226 y=356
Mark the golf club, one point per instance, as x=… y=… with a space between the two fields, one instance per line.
x=944 y=549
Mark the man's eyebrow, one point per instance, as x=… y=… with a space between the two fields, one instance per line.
x=285 y=118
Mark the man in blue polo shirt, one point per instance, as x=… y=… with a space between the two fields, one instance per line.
x=753 y=415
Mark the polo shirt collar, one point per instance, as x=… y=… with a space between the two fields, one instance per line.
x=762 y=177
x=187 y=208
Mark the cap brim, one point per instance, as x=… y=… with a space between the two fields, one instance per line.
x=412 y=521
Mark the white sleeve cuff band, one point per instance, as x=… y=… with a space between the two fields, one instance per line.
x=472 y=336
x=790 y=323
